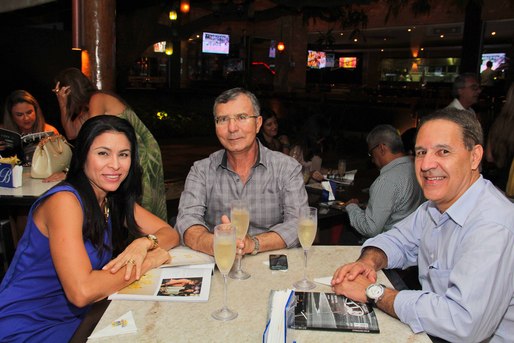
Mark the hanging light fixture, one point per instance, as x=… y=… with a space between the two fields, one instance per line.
x=77 y=29
x=173 y=15
x=169 y=49
x=281 y=46
x=184 y=6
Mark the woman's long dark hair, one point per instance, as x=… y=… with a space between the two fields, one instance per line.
x=121 y=202
x=81 y=91
x=266 y=113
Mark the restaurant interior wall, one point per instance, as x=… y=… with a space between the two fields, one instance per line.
x=34 y=64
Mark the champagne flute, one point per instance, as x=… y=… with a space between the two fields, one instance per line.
x=224 y=254
x=240 y=218
x=307 y=226
x=341 y=168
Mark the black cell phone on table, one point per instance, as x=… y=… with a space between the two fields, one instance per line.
x=278 y=262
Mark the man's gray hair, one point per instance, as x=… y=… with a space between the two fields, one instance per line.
x=460 y=82
x=232 y=94
x=472 y=133
x=388 y=135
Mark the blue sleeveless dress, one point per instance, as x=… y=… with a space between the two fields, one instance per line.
x=33 y=306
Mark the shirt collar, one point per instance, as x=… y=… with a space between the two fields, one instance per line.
x=261 y=157
x=464 y=205
x=394 y=163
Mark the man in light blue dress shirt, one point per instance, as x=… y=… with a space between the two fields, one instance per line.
x=462 y=240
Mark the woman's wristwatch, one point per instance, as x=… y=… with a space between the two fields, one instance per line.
x=155 y=241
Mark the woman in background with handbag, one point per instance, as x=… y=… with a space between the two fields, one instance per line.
x=80 y=100
x=63 y=261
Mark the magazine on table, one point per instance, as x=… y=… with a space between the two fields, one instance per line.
x=329 y=311
x=184 y=256
x=186 y=278
x=12 y=143
x=288 y=309
x=182 y=284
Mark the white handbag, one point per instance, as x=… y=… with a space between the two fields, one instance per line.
x=53 y=154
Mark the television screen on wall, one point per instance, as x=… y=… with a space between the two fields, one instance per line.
x=215 y=43
x=348 y=62
x=316 y=59
x=272 y=49
x=159 y=46
x=497 y=59
x=330 y=60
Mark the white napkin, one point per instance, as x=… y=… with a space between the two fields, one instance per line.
x=123 y=325
x=324 y=280
x=327 y=187
x=350 y=175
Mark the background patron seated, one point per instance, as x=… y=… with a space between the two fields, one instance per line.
x=395 y=193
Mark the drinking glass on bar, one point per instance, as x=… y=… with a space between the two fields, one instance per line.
x=307 y=225
x=341 y=168
x=240 y=218
x=224 y=254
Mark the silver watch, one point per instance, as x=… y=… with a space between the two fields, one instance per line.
x=375 y=292
x=256 y=244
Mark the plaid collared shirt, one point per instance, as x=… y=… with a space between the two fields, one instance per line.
x=274 y=191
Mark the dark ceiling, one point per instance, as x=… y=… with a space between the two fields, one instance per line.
x=57 y=14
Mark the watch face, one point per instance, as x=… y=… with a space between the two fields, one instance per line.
x=374 y=291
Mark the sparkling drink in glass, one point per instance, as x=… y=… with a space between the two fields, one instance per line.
x=240 y=218
x=307 y=226
x=224 y=254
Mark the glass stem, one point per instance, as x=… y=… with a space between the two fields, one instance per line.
x=305 y=264
x=239 y=258
x=225 y=291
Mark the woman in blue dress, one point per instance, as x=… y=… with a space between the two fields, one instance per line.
x=63 y=261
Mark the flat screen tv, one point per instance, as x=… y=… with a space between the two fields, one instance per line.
x=497 y=59
x=159 y=46
x=330 y=60
x=316 y=59
x=348 y=62
x=272 y=49
x=215 y=43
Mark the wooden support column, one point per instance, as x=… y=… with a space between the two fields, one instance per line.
x=99 y=57
x=472 y=38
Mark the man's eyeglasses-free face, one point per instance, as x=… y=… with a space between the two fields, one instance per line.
x=241 y=118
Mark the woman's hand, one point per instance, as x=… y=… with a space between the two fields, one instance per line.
x=156 y=258
x=62 y=94
x=316 y=175
x=59 y=176
x=133 y=256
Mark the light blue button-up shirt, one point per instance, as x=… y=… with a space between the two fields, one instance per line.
x=466 y=266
